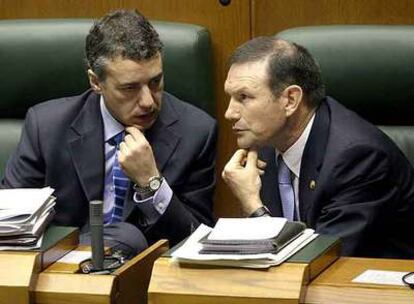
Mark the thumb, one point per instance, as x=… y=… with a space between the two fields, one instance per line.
x=252 y=159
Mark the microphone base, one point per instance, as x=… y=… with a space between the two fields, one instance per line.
x=110 y=264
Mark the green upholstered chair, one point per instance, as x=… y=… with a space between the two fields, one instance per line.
x=370 y=69
x=44 y=58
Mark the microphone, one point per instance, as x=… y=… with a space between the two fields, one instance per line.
x=96 y=229
x=115 y=238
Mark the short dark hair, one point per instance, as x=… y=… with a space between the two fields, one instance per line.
x=120 y=33
x=288 y=64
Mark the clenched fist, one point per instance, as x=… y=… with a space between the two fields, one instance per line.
x=242 y=175
x=136 y=157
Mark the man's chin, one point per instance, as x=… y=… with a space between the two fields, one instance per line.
x=248 y=144
x=243 y=144
x=143 y=126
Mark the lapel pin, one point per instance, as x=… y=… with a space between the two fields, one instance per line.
x=312 y=185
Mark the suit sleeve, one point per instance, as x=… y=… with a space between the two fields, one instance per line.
x=361 y=191
x=25 y=167
x=191 y=202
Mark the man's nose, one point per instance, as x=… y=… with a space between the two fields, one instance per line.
x=232 y=113
x=146 y=100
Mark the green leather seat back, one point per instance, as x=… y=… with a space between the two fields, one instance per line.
x=41 y=59
x=370 y=70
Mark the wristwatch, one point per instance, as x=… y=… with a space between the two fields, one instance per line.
x=261 y=211
x=154 y=183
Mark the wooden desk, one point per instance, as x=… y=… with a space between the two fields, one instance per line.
x=18 y=272
x=335 y=284
x=60 y=284
x=20 y=269
x=296 y=281
x=174 y=283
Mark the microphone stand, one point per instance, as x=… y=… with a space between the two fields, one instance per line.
x=99 y=263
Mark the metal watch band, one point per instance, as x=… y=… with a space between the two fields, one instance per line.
x=148 y=189
x=261 y=211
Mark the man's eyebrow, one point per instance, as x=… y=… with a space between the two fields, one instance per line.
x=138 y=83
x=127 y=84
x=237 y=90
x=158 y=76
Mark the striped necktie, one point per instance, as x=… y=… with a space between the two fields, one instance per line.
x=287 y=195
x=120 y=181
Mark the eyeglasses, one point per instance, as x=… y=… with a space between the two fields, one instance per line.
x=408 y=279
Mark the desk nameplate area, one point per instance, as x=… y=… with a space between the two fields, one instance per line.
x=335 y=284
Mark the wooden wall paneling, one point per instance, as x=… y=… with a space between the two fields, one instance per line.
x=16 y=9
x=229 y=27
x=272 y=16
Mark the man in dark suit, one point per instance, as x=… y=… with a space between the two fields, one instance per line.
x=306 y=157
x=149 y=156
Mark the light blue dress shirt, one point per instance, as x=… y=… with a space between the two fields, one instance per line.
x=152 y=207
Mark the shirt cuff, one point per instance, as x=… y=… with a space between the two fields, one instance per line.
x=153 y=207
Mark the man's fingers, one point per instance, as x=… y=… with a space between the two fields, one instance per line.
x=135 y=133
x=236 y=162
x=123 y=151
x=251 y=159
x=238 y=158
x=129 y=139
x=261 y=164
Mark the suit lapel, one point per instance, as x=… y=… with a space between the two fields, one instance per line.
x=312 y=159
x=86 y=147
x=163 y=140
x=162 y=136
x=270 y=190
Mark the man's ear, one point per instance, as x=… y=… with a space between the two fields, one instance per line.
x=94 y=82
x=294 y=97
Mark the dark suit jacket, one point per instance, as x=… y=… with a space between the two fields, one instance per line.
x=62 y=146
x=364 y=189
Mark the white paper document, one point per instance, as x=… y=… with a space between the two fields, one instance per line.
x=371 y=276
x=25 y=200
x=255 y=228
x=24 y=216
x=189 y=252
x=75 y=257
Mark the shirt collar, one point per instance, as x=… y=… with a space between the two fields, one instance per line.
x=111 y=126
x=293 y=156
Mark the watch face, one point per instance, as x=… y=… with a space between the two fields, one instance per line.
x=155 y=184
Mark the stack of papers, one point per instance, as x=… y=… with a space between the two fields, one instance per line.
x=251 y=235
x=24 y=215
x=245 y=231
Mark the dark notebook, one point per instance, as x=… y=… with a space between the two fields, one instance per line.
x=289 y=232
